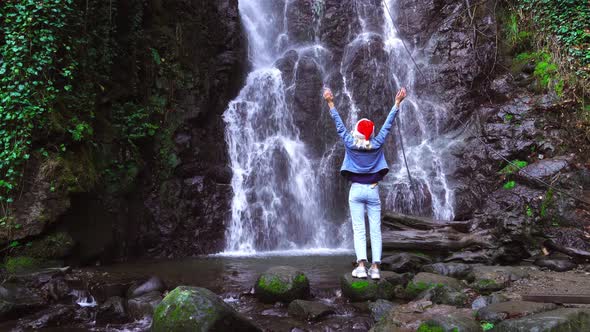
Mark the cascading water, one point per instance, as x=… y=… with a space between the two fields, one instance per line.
x=420 y=124
x=283 y=148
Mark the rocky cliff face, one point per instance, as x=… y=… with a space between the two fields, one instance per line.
x=165 y=195
x=172 y=197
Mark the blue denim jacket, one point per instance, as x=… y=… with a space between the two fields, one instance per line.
x=360 y=160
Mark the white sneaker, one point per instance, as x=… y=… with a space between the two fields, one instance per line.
x=374 y=273
x=359 y=272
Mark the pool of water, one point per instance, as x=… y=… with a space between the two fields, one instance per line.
x=230 y=273
x=232 y=277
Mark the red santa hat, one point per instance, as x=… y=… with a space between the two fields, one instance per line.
x=364 y=127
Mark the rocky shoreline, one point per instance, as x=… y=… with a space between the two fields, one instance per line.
x=416 y=293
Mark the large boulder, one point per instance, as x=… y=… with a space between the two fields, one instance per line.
x=454 y=270
x=368 y=289
x=197 y=309
x=281 y=284
x=404 y=262
x=309 y=310
x=424 y=281
x=488 y=279
x=562 y=320
x=497 y=312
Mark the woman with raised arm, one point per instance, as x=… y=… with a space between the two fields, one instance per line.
x=364 y=165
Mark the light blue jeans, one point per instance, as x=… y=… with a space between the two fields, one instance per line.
x=363 y=196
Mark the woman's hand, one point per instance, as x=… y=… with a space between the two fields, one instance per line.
x=329 y=97
x=400 y=96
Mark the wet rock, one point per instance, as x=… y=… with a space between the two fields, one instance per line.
x=482 y=301
x=281 y=284
x=309 y=310
x=286 y=64
x=544 y=169
x=559 y=264
x=450 y=323
x=153 y=284
x=16 y=300
x=488 y=279
x=103 y=291
x=424 y=280
x=300 y=21
x=454 y=270
x=497 y=312
x=367 y=289
x=408 y=317
x=380 y=308
x=306 y=99
x=404 y=262
x=112 y=311
x=51 y=246
x=56 y=289
x=444 y=295
x=562 y=320
x=53 y=316
x=197 y=309
x=143 y=305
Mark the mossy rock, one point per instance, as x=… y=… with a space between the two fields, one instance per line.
x=442 y=294
x=52 y=246
x=487 y=286
x=281 y=284
x=20 y=264
x=559 y=320
x=197 y=309
x=450 y=323
x=367 y=289
x=440 y=286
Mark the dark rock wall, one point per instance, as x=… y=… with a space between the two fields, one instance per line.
x=188 y=210
x=164 y=195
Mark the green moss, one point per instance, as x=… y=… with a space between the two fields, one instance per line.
x=413 y=289
x=359 y=285
x=514 y=167
x=20 y=264
x=430 y=327
x=273 y=284
x=509 y=185
x=56 y=245
x=547 y=202
x=487 y=326
x=301 y=278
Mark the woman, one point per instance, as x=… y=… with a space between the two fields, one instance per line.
x=364 y=165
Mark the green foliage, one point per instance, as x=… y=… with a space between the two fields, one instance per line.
x=546 y=71
x=566 y=23
x=529 y=211
x=514 y=167
x=486 y=326
x=547 y=202
x=36 y=66
x=509 y=185
x=19 y=264
x=430 y=327
x=517 y=38
x=137 y=121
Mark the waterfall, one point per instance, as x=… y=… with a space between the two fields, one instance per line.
x=282 y=144
x=421 y=122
